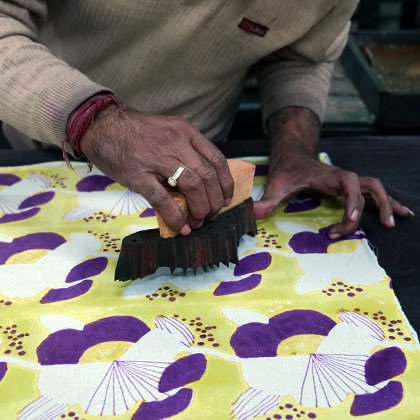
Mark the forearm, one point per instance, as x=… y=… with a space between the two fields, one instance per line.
x=293 y=131
x=38 y=91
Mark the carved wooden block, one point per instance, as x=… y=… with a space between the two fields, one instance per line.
x=142 y=253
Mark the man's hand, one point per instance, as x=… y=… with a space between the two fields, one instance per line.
x=293 y=168
x=142 y=151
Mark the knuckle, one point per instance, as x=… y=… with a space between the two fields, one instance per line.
x=218 y=159
x=351 y=176
x=193 y=181
x=157 y=198
x=209 y=175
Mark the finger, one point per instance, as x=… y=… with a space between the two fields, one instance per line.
x=399 y=209
x=377 y=191
x=209 y=177
x=353 y=206
x=216 y=158
x=277 y=190
x=191 y=187
x=164 y=204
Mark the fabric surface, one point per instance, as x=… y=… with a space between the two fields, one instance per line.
x=185 y=58
x=302 y=327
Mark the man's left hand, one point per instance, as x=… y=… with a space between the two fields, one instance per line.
x=294 y=168
x=296 y=173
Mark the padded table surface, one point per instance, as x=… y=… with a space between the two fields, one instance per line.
x=395 y=160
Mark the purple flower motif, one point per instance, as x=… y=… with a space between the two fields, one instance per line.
x=317 y=243
x=251 y=263
x=183 y=371
x=37 y=200
x=3 y=370
x=261 y=340
x=87 y=269
x=155 y=379
x=67 y=346
x=325 y=378
x=302 y=203
x=157 y=410
x=385 y=364
x=20 y=199
x=66 y=293
x=9 y=179
x=385 y=398
x=42 y=240
x=94 y=183
x=233 y=287
x=148 y=213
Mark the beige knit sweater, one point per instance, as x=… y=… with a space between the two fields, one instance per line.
x=178 y=57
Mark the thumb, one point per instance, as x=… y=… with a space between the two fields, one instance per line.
x=275 y=192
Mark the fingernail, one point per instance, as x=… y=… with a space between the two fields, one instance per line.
x=227 y=202
x=335 y=236
x=391 y=221
x=355 y=215
x=410 y=212
x=200 y=224
x=185 y=231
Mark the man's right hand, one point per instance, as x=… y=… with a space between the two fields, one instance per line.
x=142 y=151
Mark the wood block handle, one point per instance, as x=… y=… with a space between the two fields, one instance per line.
x=243 y=177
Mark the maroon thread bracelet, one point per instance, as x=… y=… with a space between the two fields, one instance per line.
x=80 y=120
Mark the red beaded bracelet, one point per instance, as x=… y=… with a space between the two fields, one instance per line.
x=81 y=118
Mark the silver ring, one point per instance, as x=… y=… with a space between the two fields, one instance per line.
x=173 y=180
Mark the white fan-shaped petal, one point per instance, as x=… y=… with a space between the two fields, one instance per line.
x=175 y=327
x=129 y=203
x=253 y=403
x=293 y=228
x=56 y=323
x=329 y=378
x=9 y=204
x=80 y=213
x=244 y=316
x=41 y=180
x=43 y=408
x=5 y=238
x=124 y=384
x=257 y=192
x=362 y=321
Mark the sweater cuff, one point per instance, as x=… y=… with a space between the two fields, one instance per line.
x=288 y=83
x=58 y=100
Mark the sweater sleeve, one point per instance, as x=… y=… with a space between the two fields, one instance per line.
x=38 y=91
x=300 y=74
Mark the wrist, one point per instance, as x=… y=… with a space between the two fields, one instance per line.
x=80 y=124
x=294 y=131
x=94 y=133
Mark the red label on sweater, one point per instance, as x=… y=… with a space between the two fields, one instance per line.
x=253 y=27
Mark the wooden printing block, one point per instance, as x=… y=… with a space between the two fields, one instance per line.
x=142 y=253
